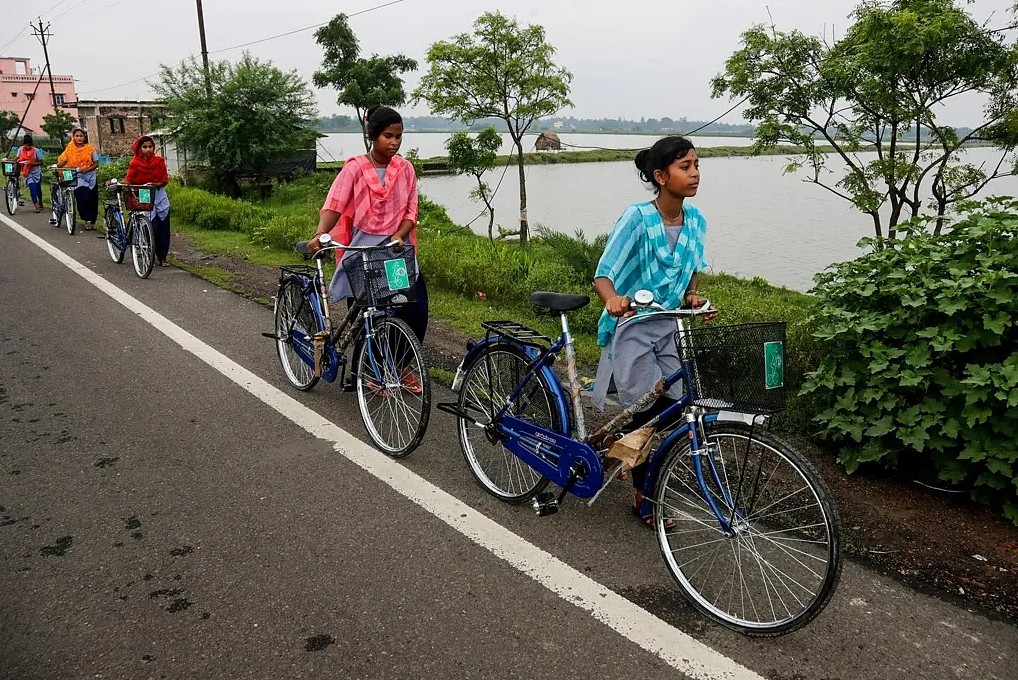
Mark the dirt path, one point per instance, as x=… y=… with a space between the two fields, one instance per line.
x=935 y=541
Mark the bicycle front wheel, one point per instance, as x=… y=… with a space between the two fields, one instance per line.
x=11 y=194
x=772 y=565
x=115 y=236
x=143 y=251
x=295 y=321
x=488 y=382
x=70 y=212
x=393 y=387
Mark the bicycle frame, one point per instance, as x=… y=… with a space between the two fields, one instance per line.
x=337 y=338
x=572 y=463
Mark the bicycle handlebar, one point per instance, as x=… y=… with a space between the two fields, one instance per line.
x=303 y=249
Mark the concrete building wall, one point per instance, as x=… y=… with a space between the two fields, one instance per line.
x=22 y=88
x=113 y=126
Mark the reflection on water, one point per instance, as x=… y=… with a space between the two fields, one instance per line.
x=760 y=221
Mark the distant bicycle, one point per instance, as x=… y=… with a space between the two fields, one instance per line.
x=62 y=199
x=12 y=191
x=137 y=232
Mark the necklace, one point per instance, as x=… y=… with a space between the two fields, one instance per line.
x=374 y=159
x=665 y=217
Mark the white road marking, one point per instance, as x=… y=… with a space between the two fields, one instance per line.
x=677 y=649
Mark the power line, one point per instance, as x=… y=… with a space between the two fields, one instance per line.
x=301 y=30
x=14 y=39
x=255 y=42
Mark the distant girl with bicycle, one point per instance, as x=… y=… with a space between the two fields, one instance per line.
x=656 y=246
x=83 y=156
x=30 y=157
x=147 y=167
x=373 y=201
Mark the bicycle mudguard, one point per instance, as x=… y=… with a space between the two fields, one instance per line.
x=656 y=460
x=553 y=455
x=561 y=403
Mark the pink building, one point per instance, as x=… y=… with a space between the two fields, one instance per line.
x=18 y=88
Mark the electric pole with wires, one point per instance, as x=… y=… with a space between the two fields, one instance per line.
x=43 y=34
x=204 y=50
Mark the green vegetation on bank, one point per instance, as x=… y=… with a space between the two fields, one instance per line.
x=919 y=371
x=440 y=164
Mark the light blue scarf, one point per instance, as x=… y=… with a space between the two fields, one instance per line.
x=638 y=256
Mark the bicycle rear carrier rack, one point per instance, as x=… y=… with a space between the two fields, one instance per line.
x=298 y=269
x=518 y=332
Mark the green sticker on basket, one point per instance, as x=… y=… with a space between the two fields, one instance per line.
x=774 y=364
x=144 y=195
x=8 y=167
x=68 y=175
x=396 y=273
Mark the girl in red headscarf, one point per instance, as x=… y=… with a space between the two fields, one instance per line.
x=148 y=168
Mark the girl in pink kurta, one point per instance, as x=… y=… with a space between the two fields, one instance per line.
x=373 y=201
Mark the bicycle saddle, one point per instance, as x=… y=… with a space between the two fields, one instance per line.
x=559 y=302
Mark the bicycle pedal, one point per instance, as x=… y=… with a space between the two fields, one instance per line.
x=545 y=504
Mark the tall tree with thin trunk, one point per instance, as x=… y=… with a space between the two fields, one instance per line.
x=881 y=88
x=501 y=70
x=361 y=82
x=475 y=156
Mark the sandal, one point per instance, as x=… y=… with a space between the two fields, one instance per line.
x=648 y=520
x=164 y=263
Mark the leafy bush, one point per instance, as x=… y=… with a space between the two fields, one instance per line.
x=282 y=231
x=214 y=212
x=920 y=355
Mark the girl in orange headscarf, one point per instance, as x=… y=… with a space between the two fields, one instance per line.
x=148 y=168
x=83 y=156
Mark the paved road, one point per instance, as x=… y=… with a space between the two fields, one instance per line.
x=164 y=513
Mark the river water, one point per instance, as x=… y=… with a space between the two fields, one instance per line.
x=761 y=222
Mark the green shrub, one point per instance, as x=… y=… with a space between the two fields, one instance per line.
x=920 y=355
x=211 y=211
x=282 y=231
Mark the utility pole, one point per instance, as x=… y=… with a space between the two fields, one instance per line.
x=43 y=34
x=204 y=50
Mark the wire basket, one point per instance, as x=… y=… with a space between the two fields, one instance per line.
x=139 y=199
x=67 y=177
x=382 y=278
x=736 y=368
x=10 y=169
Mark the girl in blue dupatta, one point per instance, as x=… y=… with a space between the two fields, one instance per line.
x=656 y=246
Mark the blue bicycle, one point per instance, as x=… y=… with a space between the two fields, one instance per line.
x=746 y=527
x=137 y=232
x=389 y=374
x=62 y=199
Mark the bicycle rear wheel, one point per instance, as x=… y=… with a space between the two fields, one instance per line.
x=11 y=194
x=115 y=236
x=777 y=566
x=393 y=387
x=488 y=382
x=295 y=318
x=143 y=251
x=70 y=211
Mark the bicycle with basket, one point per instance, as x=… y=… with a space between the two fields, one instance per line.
x=746 y=526
x=136 y=232
x=12 y=189
x=389 y=374
x=62 y=198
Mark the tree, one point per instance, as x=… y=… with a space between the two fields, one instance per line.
x=9 y=121
x=255 y=114
x=56 y=125
x=500 y=71
x=362 y=83
x=880 y=88
x=475 y=156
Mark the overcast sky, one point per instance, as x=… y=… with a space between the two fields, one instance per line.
x=653 y=58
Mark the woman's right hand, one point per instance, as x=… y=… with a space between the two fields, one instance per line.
x=620 y=305
x=314 y=245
